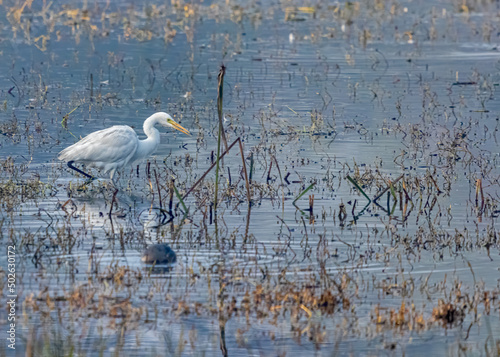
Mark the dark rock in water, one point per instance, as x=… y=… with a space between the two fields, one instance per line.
x=159 y=254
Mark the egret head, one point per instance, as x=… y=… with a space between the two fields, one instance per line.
x=167 y=121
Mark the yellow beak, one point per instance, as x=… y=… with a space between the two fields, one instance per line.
x=179 y=127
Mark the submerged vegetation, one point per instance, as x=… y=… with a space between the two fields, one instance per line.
x=340 y=191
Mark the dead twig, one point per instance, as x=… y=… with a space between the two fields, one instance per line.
x=238 y=140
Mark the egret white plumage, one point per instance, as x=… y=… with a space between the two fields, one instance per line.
x=113 y=148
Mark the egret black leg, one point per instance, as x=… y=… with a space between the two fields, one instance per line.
x=70 y=165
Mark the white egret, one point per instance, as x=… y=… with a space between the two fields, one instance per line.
x=113 y=148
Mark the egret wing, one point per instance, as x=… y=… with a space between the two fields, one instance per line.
x=114 y=145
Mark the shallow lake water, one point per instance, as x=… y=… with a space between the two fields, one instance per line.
x=395 y=100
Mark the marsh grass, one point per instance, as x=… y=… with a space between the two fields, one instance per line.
x=417 y=261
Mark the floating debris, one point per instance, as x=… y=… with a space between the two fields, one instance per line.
x=159 y=254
